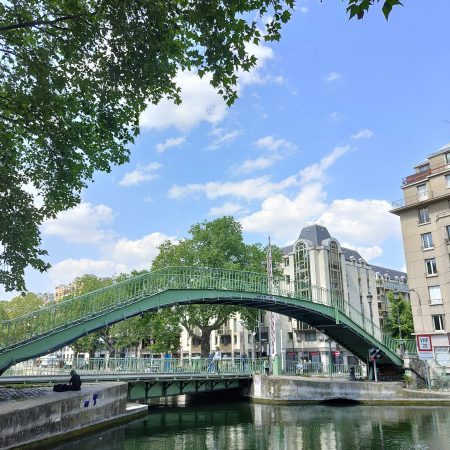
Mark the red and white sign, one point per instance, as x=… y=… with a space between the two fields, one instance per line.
x=337 y=353
x=424 y=346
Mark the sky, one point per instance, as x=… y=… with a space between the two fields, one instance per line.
x=325 y=128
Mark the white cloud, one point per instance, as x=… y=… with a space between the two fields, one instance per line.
x=200 y=100
x=252 y=165
x=227 y=209
x=140 y=175
x=364 y=224
x=361 y=222
x=200 y=103
x=169 y=143
x=332 y=76
x=222 y=137
x=303 y=9
x=364 y=133
x=67 y=270
x=368 y=253
x=316 y=172
x=82 y=224
x=270 y=143
x=122 y=256
x=249 y=189
x=337 y=116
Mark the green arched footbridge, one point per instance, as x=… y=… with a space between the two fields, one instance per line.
x=59 y=324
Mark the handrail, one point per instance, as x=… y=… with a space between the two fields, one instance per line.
x=59 y=316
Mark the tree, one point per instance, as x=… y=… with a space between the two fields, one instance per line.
x=160 y=333
x=215 y=244
x=23 y=304
x=399 y=312
x=75 y=75
x=358 y=8
x=96 y=340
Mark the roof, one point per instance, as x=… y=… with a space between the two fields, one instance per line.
x=348 y=253
x=443 y=149
x=390 y=272
x=315 y=233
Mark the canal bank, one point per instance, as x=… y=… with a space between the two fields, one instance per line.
x=304 y=390
x=55 y=416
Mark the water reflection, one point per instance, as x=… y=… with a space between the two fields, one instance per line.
x=236 y=426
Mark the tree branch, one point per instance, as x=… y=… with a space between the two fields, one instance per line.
x=39 y=22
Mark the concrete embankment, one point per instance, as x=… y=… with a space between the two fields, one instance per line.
x=296 y=389
x=55 y=416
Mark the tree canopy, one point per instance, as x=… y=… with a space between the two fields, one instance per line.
x=75 y=75
x=215 y=244
x=400 y=317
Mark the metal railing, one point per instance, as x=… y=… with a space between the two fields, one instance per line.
x=412 y=200
x=62 y=315
x=316 y=369
x=174 y=366
x=137 y=366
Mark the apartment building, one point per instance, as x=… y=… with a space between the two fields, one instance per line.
x=318 y=259
x=424 y=213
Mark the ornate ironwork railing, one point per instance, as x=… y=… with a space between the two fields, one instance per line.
x=62 y=315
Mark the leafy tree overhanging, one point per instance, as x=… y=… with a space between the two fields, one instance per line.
x=75 y=75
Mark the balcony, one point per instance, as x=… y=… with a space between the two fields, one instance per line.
x=413 y=200
x=419 y=176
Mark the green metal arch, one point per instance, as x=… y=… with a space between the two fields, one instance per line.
x=61 y=323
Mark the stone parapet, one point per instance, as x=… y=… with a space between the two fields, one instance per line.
x=60 y=414
x=296 y=389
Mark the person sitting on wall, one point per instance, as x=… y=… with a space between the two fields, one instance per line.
x=74 y=383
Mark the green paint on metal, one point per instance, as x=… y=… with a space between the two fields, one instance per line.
x=59 y=324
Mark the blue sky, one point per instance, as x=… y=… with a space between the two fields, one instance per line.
x=326 y=126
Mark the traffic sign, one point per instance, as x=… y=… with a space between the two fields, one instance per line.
x=424 y=346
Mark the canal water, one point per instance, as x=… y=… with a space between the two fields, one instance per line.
x=246 y=426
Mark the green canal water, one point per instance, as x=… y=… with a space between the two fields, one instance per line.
x=237 y=425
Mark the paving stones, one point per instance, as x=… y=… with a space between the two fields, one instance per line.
x=14 y=394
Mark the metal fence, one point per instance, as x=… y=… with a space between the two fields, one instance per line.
x=59 y=316
x=316 y=369
x=108 y=366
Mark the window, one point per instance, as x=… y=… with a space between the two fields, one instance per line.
x=422 y=193
x=286 y=262
x=447 y=181
x=427 y=240
x=447 y=229
x=290 y=336
x=430 y=266
x=435 y=294
x=287 y=278
x=424 y=216
x=438 y=322
x=447 y=158
x=235 y=339
x=310 y=337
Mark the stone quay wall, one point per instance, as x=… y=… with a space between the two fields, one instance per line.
x=296 y=389
x=61 y=414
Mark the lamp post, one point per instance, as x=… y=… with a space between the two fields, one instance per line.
x=369 y=301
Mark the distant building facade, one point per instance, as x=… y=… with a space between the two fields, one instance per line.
x=315 y=258
x=424 y=213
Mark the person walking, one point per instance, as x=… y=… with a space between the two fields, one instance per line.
x=216 y=359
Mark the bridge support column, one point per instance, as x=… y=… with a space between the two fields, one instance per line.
x=276 y=366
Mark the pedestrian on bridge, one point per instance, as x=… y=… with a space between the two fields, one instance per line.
x=216 y=359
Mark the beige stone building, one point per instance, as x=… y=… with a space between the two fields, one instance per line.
x=424 y=213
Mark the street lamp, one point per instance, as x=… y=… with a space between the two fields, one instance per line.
x=369 y=301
